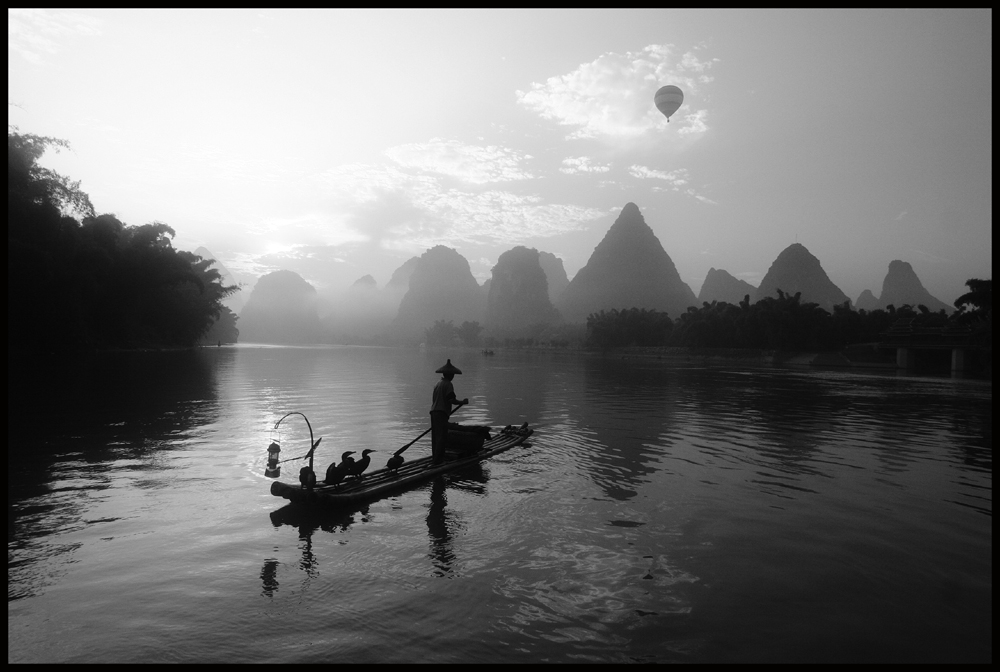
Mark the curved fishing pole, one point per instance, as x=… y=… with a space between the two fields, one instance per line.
x=312 y=443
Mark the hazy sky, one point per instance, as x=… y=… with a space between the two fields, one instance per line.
x=341 y=143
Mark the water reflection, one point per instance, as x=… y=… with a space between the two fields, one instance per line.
x=308 y=519
x=440 y=524
x=515 y=387
x=269 y=577
x=443 y=524
x=629 y=407
x=667 y=513
x=79 y=426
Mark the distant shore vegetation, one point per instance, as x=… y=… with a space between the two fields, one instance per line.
x=785 y=323
x=80 y=280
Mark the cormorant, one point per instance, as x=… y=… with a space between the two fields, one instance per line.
x=335 y=473
x=307 y=477
x=394 y=463
x=358 y=468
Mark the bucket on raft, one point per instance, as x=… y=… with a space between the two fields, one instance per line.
x=466 y=439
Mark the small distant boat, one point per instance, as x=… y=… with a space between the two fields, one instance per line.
x=382 y=482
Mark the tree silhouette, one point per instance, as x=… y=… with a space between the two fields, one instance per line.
x=99 y=283
x=979 y=297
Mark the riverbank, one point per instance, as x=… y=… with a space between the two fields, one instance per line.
x=863 y=357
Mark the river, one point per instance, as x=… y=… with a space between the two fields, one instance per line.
x=664 y=511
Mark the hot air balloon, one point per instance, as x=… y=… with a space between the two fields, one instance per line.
x=668 y=99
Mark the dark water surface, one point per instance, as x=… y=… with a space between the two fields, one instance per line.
x=664 y=512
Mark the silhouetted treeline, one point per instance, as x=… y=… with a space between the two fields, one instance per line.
x=223 y=330
x=632 y=326
x=94 y=282
x=444 y=332
x=782 y=323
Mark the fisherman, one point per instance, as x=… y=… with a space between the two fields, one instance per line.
x=444 y=399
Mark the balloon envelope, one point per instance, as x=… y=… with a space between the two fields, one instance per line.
x=668 y=99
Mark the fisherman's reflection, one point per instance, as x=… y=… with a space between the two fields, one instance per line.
x=269 y=577
x=438 y=520
x=442 y=522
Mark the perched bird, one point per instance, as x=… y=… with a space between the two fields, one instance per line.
x=307 y=477
x=394 y=463
x=358 y=468
x=335 y=473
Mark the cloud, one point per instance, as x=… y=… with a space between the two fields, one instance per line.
x=474 y=164
x=703 y=199
x=677 y=179
x=581 y=164
x=34 y=32
x=408 y=211
x=695 y=123
x=612 y=95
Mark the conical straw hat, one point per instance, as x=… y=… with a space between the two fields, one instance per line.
x=449 y=368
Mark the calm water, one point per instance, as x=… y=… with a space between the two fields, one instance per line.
x=664 y=512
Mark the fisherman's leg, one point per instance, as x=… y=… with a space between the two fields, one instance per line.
x=439 y=433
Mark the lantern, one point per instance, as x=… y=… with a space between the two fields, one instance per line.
x=273 y=451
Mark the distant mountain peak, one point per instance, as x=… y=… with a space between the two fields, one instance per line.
x=631 y=210
x=518 y=296
x=866 y=301
x=281 y=309
x=719 y=285
x=902 y=286
x=628 y=269
x=797 y=270
x=441 y=287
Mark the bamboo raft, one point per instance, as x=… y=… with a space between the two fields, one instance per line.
x=382 y=482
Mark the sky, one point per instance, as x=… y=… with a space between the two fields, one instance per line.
x=340 y=143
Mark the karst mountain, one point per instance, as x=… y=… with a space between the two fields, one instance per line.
x=518 y=294
x=796 y=270
x=281 y=309
x=628 y=269
x=721 y=286
x=441 y=287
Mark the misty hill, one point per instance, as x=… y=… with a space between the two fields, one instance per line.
x=281 y=309
x=441 y=288
x=902 y=286
x=796 y=270
x=721 y=286
x=628 y=269
x=555 y=273
x=237 y=300
x=400 y=280
x=866 y=301
x=518 y=293
x=360 y=312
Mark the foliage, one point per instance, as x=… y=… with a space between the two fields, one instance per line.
x=979 y=297
x=442 y=333
x=631 y=326
x=778 y=323
x=223 y=330
x=31 y=184
x=975 y=308
x=774 y=323
x=96 y=283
